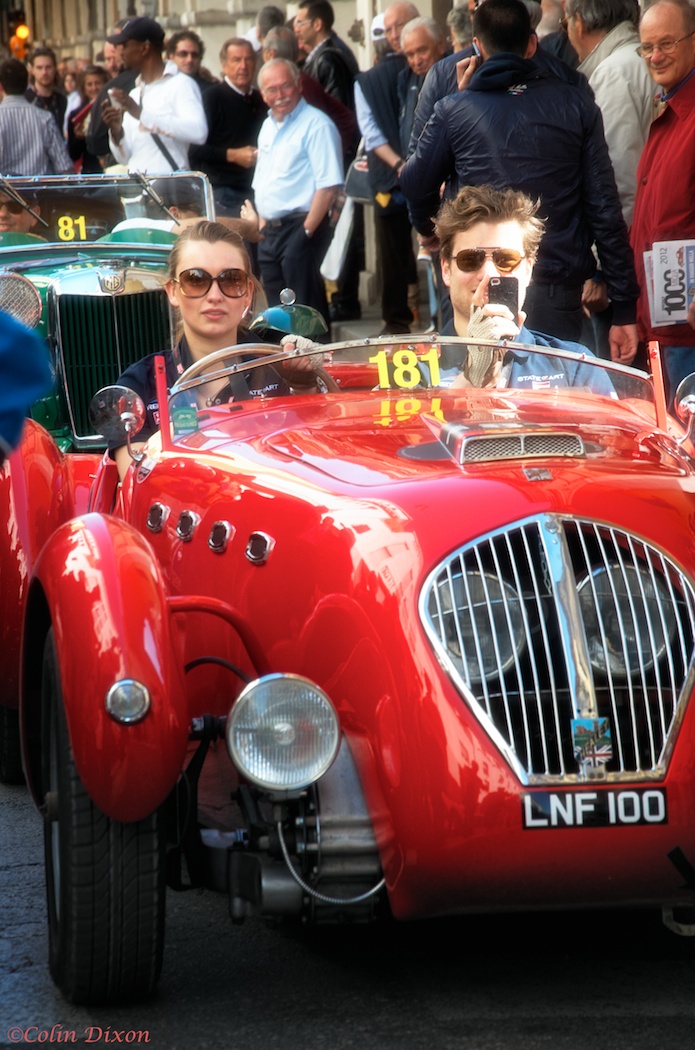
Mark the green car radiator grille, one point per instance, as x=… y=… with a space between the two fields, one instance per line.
x=99 y=336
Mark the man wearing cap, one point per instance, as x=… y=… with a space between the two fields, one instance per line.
x=97 y=139
x=151 y=128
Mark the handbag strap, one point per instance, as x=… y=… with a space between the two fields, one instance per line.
x=162 y=148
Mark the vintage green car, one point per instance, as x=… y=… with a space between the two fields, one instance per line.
x=84 y=263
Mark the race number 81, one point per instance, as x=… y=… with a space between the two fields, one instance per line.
x=69 y=228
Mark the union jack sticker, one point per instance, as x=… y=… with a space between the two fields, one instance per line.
x=592 y=742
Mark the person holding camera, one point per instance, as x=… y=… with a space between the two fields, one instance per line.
x=489 y=241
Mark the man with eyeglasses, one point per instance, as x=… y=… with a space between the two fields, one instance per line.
x=16 y=219
x=299 y=170
x=665 y=202
x=485 y=234
x=186 y=51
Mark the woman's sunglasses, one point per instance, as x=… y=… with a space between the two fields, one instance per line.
x=196 y=283
x=470 y=260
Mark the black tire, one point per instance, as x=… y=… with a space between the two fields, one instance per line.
x=10 y=751
x=105 y=881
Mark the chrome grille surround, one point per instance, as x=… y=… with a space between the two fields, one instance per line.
x=567 y=618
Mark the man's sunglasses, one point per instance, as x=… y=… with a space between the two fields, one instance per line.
x=12 y=206
x=470 y=260
x=195 y=283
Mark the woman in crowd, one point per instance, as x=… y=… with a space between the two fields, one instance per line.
x=89 y=82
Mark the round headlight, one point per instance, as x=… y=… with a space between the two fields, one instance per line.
x=628 y=619
x=283 y=732
x=488 y=610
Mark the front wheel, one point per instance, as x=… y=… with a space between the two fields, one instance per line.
x=105 y=880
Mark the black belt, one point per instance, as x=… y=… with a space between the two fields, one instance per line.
x=293 y=216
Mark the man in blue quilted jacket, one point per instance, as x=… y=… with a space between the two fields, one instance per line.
x=518 y=125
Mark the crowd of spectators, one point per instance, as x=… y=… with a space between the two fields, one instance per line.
x=583 y=105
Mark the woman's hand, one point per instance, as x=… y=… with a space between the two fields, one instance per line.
x=305 y=363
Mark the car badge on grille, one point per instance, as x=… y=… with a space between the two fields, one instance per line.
x=112 y=283
x=593 y=746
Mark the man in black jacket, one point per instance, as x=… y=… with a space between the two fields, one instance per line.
x=519 y=125
x=313 y=24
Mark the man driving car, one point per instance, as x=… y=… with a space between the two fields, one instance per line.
x=16 y=219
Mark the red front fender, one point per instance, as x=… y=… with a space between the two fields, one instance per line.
x=106 y=600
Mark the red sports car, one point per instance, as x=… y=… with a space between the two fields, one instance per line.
x=392 y=641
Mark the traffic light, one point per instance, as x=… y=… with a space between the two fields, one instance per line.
x=20 y=35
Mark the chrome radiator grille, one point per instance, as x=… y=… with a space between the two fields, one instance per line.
x=99 y=336
x=557 y=619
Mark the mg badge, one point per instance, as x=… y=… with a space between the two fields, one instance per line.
x=112 y=283
x=593 y=746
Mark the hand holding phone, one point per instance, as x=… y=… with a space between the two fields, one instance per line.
x=466 y=68
x=504 y=291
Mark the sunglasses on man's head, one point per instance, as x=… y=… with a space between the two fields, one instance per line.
x=196 y=283
x=470 y=260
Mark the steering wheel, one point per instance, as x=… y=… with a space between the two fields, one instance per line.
x=261 y=350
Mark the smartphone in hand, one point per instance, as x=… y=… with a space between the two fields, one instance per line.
x=504 y=291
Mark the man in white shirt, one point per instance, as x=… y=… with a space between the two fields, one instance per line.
x=299 y=170
x=151 y=129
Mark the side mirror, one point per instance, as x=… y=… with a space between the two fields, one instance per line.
x=685 y=406
x=118 y=414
